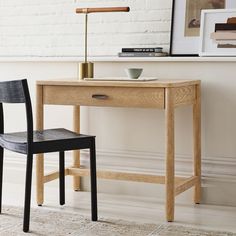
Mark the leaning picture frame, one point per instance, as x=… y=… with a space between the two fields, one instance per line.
x=185 y=24
x=217 y=37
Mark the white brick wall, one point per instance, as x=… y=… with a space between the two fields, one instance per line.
x=51 y=27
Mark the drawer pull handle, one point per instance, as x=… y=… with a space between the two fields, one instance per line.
x=100 y=96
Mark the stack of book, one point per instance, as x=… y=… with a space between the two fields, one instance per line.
x=142 y=52
x=225 y=34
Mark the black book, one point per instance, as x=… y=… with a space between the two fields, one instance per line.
x=157 y=49
x=224 y=26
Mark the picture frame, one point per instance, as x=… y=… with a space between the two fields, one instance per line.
x=215 y=47
x=185 y=24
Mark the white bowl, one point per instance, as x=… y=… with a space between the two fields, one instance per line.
x=134 y=73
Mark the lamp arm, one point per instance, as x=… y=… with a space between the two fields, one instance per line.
x=102 y=9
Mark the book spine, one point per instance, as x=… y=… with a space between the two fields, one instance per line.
x=228 y=45
x=222 y=26
x=141 y=54
x=141 y=49
x=231 y=20
x=223 y=36
x=225 y=41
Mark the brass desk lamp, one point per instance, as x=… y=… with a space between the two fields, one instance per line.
x=86 y=68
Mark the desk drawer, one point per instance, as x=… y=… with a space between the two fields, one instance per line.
x=104 y=96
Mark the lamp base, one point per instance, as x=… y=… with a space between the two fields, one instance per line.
x=86 y=70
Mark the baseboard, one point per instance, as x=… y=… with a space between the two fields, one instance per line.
x=218 y=173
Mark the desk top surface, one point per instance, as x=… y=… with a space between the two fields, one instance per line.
x=162 y=83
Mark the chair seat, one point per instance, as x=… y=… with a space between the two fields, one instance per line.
x=49 y=140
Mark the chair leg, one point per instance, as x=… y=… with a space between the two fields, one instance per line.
x=62 y=177
x=93 y=177
x=28 y=183
x=1 y=176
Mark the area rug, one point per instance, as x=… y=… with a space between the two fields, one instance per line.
x=61 y=223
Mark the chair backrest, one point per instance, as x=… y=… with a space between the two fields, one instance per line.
x=17 y=91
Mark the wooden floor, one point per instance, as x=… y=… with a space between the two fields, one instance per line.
x=137 y=209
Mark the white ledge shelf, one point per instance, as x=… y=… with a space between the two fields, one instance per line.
x=164 y=59
x=118 y=59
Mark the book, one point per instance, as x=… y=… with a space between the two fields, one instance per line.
x=223 y=35
x=231 y=20
x=142 y=54
x=223 y=26
x=228 y=45
x=225 y=31
x=157 y=49
x=226 y=41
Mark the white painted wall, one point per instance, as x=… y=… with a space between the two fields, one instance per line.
x=52 y=28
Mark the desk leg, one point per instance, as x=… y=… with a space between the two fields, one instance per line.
x=170 y=162
x=39 y=158
x=76 y=154
x=197 y=143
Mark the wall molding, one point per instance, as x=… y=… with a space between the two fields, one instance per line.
x=219 y=186
x=213 y=168
x=218 y=168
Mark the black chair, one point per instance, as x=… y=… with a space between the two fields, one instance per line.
x=33 y=142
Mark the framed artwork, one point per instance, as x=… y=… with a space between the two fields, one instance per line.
x=218 y=33
x=186 y=22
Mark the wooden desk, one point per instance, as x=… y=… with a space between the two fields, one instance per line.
x=161 y=94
